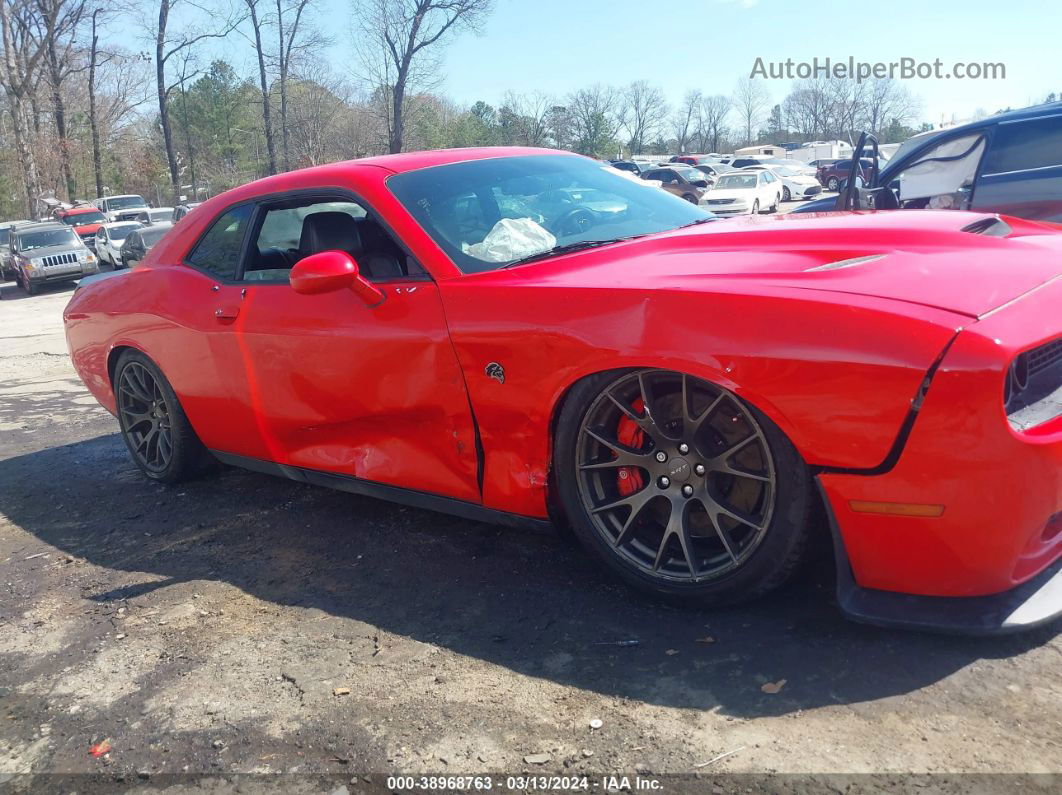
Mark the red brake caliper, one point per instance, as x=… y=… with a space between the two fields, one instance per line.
x=629 y=479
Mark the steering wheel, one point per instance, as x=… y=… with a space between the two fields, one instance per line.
x=573 y=222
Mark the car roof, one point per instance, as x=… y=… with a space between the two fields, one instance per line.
x=41 y=225
x=80 y=209
x=411 y=161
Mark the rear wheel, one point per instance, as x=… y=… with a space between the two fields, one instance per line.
x=154 y=426
x=832 y=184
x=690 y=198
x=786 y=195
x=680 y=487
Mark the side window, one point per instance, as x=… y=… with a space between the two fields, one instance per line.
x=295 y=229
x=768 y=177
x=218 y=252
x=1025 y=145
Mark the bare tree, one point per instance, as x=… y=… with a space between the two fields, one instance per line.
x=711 y=122
x=397 y=39
x=19 y=74
x=94 y=124
x=60 y=23
x=644 y=113
x=532 y=112
x=294 y=36
x=684 y=119
x=750 y=101
x=257 y=24
x=596 y=116
x=181 y=43
x=886 y=102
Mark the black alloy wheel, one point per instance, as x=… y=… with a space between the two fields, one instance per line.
x=682 y=488
x=145 y=417
x=156 y=431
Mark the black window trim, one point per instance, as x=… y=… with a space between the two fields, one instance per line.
x=327 y=193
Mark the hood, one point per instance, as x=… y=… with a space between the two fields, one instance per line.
x=51 y=251
x=954 y=261
x=731 y=193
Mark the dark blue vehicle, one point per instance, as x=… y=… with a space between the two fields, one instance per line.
x=1010 y=163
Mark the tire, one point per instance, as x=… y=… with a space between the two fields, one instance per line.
x=774 y=207
x=786 y=195
x=755 y=207
x=167 y=450
x=832 y=184
x=690 y=198
x=757 y=558
x=29 y=286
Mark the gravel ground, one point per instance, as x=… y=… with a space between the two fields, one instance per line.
x=242 y=625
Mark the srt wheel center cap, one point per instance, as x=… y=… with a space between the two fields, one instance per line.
x=678 y=469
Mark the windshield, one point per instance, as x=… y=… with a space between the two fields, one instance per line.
x=123 y=202
x=28 y=241
x=81 y=219
x=488 y=213
x=736 y=181
x=161 y=215
x=121 y=231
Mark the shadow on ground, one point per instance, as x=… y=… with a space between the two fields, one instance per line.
x=526 y=601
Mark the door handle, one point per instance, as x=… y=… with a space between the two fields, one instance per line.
x=226 y=312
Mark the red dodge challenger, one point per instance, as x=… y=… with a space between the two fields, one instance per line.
x=524 y=336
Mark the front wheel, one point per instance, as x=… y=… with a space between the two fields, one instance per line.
x=680 y=487
x=786 y=195
x=756 y=207
x=832 y=184
x=154 y=426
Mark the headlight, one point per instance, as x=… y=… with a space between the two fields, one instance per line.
x=89 y=257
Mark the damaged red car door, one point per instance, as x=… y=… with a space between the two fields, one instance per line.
x=354 y=378
x=372 y=392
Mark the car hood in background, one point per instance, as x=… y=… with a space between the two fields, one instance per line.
x=748 y=194
x=919 y=257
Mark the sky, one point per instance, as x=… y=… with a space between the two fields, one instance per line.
x=557 y=46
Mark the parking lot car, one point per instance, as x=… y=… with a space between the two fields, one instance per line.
x=744 y=192
x=156 y=215
x=121 y=208
x=139 y=242
x=831 y=175
x=694 y=160
x=109 y=241
x=7 y=268
x=713 y=170
x=684 y=392
x=795 y=185
x=49 y=253
x=683 y=181
x=1010 y=163
x=86 y=220
x=181 y=210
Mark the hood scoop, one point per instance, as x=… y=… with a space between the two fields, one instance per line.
x=851 y=262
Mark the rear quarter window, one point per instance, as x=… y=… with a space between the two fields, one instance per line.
x=218 y=251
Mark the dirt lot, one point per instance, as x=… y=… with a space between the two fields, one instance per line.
x=216 y=629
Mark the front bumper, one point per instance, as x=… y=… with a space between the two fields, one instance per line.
x=1000 y=493
x=805 y=191
x=727 y=209
x=49 y=276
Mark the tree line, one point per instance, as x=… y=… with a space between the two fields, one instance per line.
x=105 y=96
